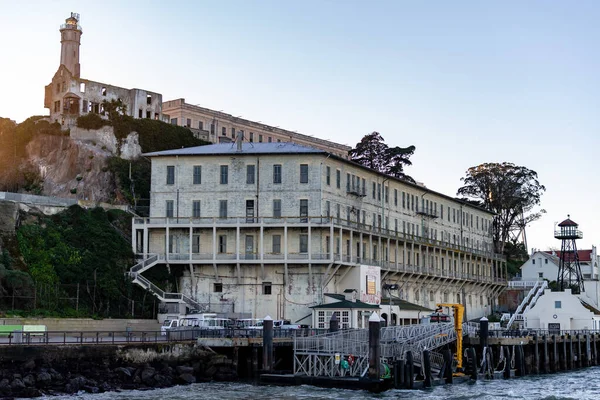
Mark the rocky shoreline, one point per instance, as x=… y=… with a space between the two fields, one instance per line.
x=145 y=369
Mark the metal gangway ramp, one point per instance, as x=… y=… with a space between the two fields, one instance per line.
x=317 y=355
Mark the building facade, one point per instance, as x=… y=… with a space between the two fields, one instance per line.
x=543 y=265
x=69 y=96
x=269 y=228
x=219 y=127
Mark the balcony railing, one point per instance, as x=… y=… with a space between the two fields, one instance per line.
x=323 y=258
x=319 y=221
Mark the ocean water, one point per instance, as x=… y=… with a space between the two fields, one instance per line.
x=577 y=385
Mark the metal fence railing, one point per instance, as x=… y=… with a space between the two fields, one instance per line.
x=116 y=337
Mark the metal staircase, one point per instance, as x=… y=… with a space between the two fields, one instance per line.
x=528 y=302
x=135 y=273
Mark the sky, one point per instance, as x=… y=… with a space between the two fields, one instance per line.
x=466 y=82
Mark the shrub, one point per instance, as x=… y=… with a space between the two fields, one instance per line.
x=91 y=121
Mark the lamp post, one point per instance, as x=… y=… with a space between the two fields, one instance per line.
x=389 y=287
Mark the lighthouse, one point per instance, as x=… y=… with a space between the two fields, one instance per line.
x=70 y=40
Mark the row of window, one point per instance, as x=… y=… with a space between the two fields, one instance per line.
x=250 y=209
x=213 y=127
x=358 y=185
x=224 y=174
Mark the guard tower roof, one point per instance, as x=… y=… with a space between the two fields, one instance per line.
x=568 y=222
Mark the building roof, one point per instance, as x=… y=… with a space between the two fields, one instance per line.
x=568 y=222
x=231 y=148
x=404 y=305
x=343 y=303
x=288 y=148
x=583 y=255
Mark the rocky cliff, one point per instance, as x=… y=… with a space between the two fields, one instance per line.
x=75 y=166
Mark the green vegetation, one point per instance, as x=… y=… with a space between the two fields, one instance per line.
x=75 y=265
x=91 y=121
x=374 y=153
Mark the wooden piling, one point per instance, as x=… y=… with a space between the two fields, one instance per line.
x=594 y=350
x=374 y=347
x=555 y=366
x=519 y=362
x=546 y=364
x=410 y=368
x=507 y=365
x=427 y=378
x=267 y=344
x=571 y=355
x=578 y=359
x=536 y=355
x=588 y=351
x=447 y=365
x=564 y=362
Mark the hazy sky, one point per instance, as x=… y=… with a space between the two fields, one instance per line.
x=465 y=82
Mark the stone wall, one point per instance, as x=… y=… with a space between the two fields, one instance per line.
x=31 y=371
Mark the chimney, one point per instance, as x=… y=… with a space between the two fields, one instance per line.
x=239 y=139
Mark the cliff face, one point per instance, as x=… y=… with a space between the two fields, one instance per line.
x=72 y=168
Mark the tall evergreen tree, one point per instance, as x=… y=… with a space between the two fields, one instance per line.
x=372 y=152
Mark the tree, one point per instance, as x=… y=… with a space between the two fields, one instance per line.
x=373 y=153
x=508 y=190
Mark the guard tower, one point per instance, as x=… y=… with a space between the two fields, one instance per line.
x=569 y=270
x=70 y=39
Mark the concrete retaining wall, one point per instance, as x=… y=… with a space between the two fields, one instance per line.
x=86 y=324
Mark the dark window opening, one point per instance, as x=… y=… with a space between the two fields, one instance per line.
x=148 y=99
x=218 y=288
x=103 y=91
x=267 y=288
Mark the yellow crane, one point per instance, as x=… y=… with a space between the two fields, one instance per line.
x=458 y=311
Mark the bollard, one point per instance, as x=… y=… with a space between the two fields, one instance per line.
x=410 y=368
x=447 y=366
x=483 y=332
x=334 y=324
x=268 y=343
x=374 y=347
x=427 y=379
x=506 y=373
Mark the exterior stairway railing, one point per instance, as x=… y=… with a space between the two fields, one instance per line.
x=528 y=302
x=135 y=273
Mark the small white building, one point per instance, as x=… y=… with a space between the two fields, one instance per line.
x=559 y=311
x=543 y=265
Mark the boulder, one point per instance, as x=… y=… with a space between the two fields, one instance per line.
x=17 y=384
x=182 y=369
x=123 y=372
x=29 y=365
x=43 y=379
x=29 y=380
x=147 y=374
x=187 y=378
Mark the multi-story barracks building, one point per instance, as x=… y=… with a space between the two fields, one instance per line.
x=271 y=228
